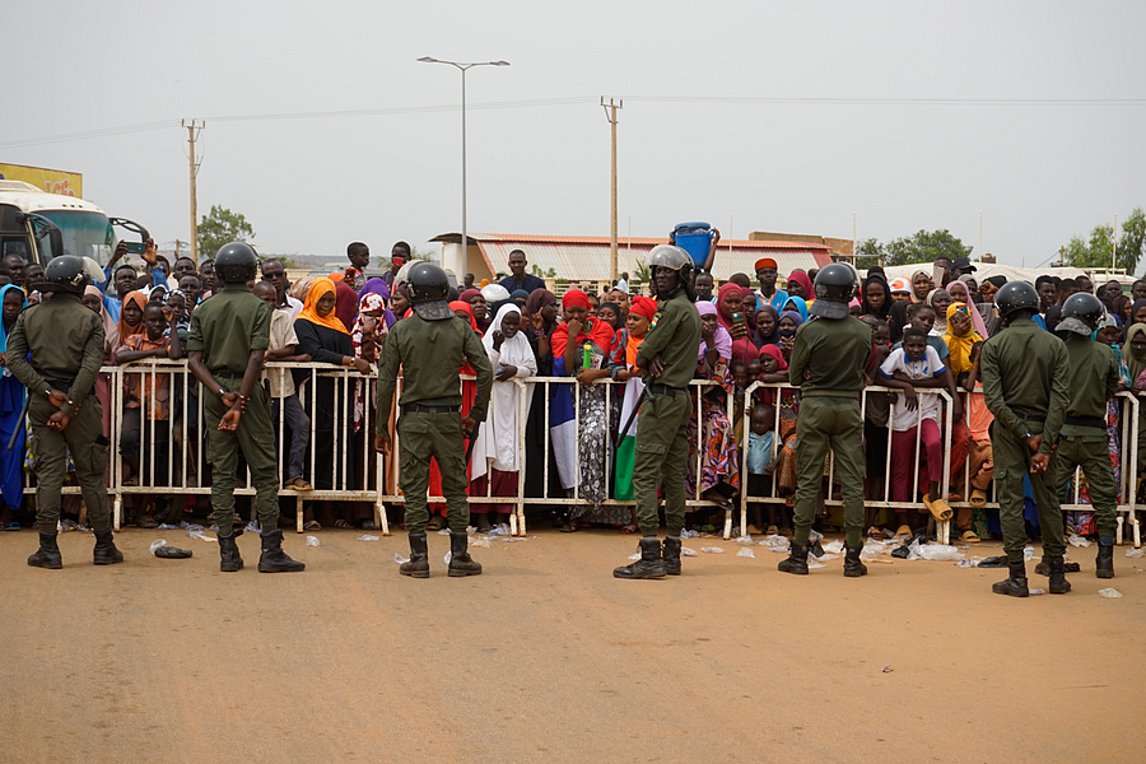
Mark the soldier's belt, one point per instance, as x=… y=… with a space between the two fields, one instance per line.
x=1085 y=421
x=420 y=409
x=658 y=389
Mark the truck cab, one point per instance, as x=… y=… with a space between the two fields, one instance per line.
x=39 y=226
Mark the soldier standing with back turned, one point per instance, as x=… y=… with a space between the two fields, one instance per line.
x=66 y=341
x=668 y=358
x=429 y=347
x=828 y=362
x=1026 y=377
x=229 y=337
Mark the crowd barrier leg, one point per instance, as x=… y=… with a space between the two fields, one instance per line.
x=298 y=513
x=381 y=522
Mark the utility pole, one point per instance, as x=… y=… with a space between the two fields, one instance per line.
x=194 y=127
x=611 y=115
x=177 y=243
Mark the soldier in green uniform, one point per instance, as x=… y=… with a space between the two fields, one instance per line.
x=1026 y=378
x=66 y=342
x=828 y=362
x=1083 y=442
x=430 y=347
x=668 y=358
x=229 y=337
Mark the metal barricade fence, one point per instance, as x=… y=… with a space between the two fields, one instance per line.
x=1128 y=455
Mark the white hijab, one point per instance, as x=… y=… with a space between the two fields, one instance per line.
x=498 y=435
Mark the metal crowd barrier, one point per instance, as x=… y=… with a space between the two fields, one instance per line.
x=178 y=467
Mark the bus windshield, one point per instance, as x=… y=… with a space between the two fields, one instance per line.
x=86 y=234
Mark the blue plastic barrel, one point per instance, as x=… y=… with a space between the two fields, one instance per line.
x=695 y=239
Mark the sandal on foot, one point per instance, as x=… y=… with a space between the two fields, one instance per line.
x=978 y=497
x=772 y=531
x=903 y=530
x=939 y=508
x=969 y=537
x=299 y=484
x=312 y=525
x=344 y=524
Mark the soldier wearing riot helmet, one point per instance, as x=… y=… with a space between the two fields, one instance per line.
x=1026 y=383
x=668 y=359
x=55 y=349
x=430 y=348
x=829 y=357
x=1093 y=379
x=229 y=337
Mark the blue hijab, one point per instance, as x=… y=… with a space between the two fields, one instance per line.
x=3 y=329
x=799 y=304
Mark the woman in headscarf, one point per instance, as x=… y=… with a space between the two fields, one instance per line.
x=920 y=286
x=940 y=301
x=875 y=299
x=366 y=338
x=1134 y=351
x=477 y=302
x=960 y=293
x=800 y=285
x=623 y=368
x=131 y=316
x=519 y=297
x=730 y=316
x=323 y=336
x=610 y=313
x=790 y=322
x=798 y=305
x=13 y=299
x=767 y=327
x=579 y=339
x=382 y=289
x=497 y=458
x=540 y=317
x=345 y=300
x=719 y=478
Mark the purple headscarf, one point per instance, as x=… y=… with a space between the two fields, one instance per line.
x=723 y=338
x=379 y=287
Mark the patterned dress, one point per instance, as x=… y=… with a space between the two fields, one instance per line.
x=720 y=455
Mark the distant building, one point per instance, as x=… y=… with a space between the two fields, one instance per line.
x=840 y=248
x=586 y=258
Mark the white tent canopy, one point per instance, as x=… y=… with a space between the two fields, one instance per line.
x=986 y=270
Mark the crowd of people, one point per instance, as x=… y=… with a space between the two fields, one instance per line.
x=927 y=332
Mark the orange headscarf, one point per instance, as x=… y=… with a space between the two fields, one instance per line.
x=125 y=331
x=319 y=289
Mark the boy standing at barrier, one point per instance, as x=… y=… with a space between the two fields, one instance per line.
x=1093 y=378
x=147 y=410
x=668 y=359
x=281 y=346
x=66 y=343
x=429 y=347
x=229 y=337
x=829 y=357
x=1026 y=376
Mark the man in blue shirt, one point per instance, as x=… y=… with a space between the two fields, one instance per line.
x=766 y=271
x=518 y=278
x=123 y=279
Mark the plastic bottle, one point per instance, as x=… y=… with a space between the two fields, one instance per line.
x=587 y=356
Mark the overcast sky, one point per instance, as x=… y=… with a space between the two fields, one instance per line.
x=1038 y=173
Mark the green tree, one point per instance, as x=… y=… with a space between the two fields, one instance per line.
x=415 y=254
x=869 y=253
x=221 y=226
x=1097 y=251
x=924 y=247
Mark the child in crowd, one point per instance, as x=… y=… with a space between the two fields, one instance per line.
x=877 y=413
x=150 y=388
x=774 y=369
x=915 y=364
x=284 y=393
x=760 y=463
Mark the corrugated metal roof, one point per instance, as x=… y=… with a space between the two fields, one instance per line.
x=586 y=258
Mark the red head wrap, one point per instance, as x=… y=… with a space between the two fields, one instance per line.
x=644 y=306
x=575 y=298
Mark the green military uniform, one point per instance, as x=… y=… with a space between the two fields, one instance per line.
x=662 y=425
x=828 y=362
x=226 y=329
x=66 y=341
x=1026 y=378
x=429 y=353
x=1083 y=442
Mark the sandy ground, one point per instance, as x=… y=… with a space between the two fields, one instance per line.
x=548 y=658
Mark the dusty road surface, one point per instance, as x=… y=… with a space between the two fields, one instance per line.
x=548 y=658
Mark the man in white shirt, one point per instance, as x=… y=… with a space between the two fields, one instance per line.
x=275 y=274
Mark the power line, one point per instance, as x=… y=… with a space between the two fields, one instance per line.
x=751 y=100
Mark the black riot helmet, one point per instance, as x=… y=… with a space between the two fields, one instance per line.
x=428 y=286
x=236 y=263
x=835 y=286
x=1081 y=314
x=1015 y=296
x=65 y=273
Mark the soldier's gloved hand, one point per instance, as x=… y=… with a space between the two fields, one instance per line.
x=382 y=443
x=58 y=421
x=1034 y=442
x=1039 y=463
x=58 y=399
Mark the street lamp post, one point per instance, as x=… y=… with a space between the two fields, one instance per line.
x=463 y=67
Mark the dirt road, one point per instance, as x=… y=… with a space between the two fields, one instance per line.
x=548 y=658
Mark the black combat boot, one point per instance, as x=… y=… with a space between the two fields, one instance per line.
x=418 y=566
x=649 y=566
x=1016 y=583
x=672 y=555
x=105 y=552
x=229 y=559
x=273 y=558
x=853 y=568
x=1043 y=568
x=461 y=564
x=48 y=555
x=1058 y=583
x=796 y=562
x=1104 y=563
